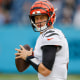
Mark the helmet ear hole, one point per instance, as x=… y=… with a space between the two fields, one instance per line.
x=53 y=16
x=51 y=13
x=50 y=23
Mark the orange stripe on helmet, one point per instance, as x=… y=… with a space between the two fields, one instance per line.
x=46 y=3
x=39 y=8
x=42 y=5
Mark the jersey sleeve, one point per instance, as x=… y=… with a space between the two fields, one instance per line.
x=49 y=53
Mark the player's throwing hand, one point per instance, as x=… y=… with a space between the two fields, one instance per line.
x=23 y=53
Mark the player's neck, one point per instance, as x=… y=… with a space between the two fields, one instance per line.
x=48 y=28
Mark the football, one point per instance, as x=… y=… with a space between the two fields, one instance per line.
x=20 y=63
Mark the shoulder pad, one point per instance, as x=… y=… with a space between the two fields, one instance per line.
x=51 y=38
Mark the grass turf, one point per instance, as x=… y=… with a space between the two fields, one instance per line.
x=30 y=77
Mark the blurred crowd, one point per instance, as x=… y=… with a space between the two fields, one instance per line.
x=5 y=8
x=17 y=11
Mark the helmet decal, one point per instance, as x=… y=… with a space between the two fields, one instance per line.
x=36 y=12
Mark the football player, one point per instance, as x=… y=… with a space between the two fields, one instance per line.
x=51 y=55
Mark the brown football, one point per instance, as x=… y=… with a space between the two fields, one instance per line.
x=20 y=63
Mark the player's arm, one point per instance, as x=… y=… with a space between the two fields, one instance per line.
x=45 y=67
x=49 y=52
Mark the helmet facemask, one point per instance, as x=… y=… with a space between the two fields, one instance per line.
x=40 y=28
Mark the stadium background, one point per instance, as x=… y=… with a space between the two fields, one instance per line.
x=15 y=29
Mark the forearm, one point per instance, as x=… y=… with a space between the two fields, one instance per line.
x=48 y=59
x=38 y=66
x=43 y=70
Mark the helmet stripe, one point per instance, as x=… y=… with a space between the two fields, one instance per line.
x=48 y=3
x=43 y=4
x=38 y=8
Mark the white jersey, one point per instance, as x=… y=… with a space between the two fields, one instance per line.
x=54 y=37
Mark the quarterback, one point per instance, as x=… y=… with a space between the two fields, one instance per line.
x=51 y=55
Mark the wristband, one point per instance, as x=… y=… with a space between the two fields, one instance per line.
x=33 y=61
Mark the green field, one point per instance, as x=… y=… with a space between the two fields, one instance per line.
x=30 y=77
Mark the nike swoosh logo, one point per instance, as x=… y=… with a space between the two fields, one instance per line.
x=49 y=39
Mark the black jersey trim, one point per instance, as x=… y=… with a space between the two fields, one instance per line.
x=48 y=32
x=52 y=34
